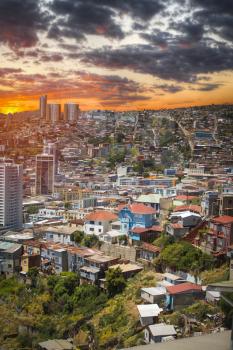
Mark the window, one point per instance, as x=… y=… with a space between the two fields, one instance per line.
x=92 y=222
x=91 y=229
x=100 y=230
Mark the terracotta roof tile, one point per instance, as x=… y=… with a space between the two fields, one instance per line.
x=101 y=215
x=183 y=287
x=225 y=219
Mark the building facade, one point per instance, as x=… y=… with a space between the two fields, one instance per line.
x=45 y=174
x=10 y=195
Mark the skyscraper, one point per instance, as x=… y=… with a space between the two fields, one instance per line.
x=43 y=105
x=11 y=194
x=44 y=174
x=51 y=148
x=71 y=112
x=53 y=113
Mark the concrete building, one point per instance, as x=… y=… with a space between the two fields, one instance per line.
x=44 y=174
x=71 y=112
x=10 y=258
x=53 y=113
x=43 y=106
x=10 y=195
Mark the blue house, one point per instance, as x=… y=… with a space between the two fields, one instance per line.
x=138 y=222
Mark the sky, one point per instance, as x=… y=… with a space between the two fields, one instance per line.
x=116 y=54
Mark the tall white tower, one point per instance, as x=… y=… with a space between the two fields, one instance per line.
x=11 y=195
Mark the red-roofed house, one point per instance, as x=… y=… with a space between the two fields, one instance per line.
x=98 y=222
x=139 y=222
x=219 y=237
x=182 y=295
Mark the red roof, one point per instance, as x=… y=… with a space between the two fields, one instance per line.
x=140 y=230
x=183 y=287
x=151 y=247
x=101 y=215
x=177 y=225
x=138 y=208
x=225 y=219
x=191 y=207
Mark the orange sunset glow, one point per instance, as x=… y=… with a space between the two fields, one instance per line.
x=104 y=55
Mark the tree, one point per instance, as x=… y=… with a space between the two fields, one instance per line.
x=90 y=241
x=33 y=274
x=32 y=209
x=67 y=205
x=115 y=281
x=77 y=236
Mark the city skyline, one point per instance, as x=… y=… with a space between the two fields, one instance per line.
x=115 y=55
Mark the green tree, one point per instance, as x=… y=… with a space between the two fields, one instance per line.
x=32 y=209
x=90 y=241
x=115 y=281
x=67 y=205
x=77 y=236
x=33 y=274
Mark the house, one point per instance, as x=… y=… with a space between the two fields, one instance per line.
x=186 y=218
x=95 y=266
x=210 y=203
x=59 y=234
x=56 y=254
x=157 y=333
x=182 y=295
x=28 y=261
x=153 y=200
x=128 y=269
x=148 y=252
x=56 y=344
x=136 y=215
x=219 y=235
x=173 y=279
x=98 y=222
x=226 y=203
x=148 y=313
x=176 y=230
x=76 y=257
x=10 y=258
x=153 y=295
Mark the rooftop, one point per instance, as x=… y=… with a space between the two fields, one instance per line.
x=183 y=287
x=162 y=329
x=218 y=341
x=101 y=215
x=225 y=219
x=150 y=310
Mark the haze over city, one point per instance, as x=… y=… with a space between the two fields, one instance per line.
x=118 y=55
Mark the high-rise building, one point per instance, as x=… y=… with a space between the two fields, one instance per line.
x=51 y=148
x=11 y=195
x=53 y=113
x=44 y=174
x=43 y=106
x=71 y=112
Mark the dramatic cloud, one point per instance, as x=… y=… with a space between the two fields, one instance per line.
x=168 y=88
x=109 y=89
x=174 y=62
x=20 y=21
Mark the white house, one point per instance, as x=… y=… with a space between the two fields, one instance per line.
x=59 y=234
x=99 y=222
x=153 y=294
x=148 y=313
x=159 y=332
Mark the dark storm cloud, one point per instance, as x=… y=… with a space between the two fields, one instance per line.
x=218 y=14
x=168 y=88
x=20 y=21
x=82 y=17
x=175 y=62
